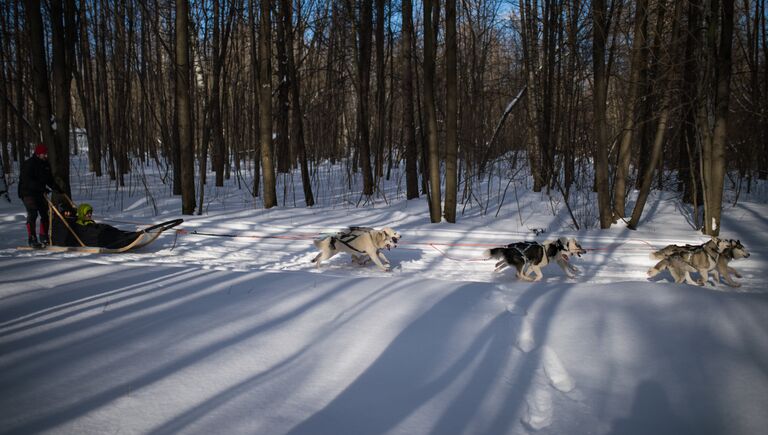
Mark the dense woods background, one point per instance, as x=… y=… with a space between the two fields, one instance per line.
x=608 y=95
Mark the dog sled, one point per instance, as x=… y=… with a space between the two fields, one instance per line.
x=66 y=235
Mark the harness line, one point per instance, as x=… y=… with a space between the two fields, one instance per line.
x=433 y=245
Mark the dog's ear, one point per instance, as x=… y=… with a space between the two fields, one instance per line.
x=381 y=237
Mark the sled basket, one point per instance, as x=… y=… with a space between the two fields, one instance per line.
x=144 y=238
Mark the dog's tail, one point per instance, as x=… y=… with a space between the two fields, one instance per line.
x=494 y=253
x=658 y=268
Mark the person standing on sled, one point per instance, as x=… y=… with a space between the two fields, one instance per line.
x=34 y=180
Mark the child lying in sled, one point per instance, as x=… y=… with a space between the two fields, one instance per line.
x=80 y=225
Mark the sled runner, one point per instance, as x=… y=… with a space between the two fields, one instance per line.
x=99 y=238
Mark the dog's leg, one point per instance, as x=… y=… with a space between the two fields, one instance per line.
x=532 y=272
x=383 y=257
x=536 y=270
x=677 y=276
x=378 y=262
x=730 y=281
x=325 y=255
x=704 y=276
x=733 y=272
x=500 y=265
x=727 y=277
x=568 y=269
x=715 y=276
x=521 y=271
x=689 y=279
x=524 y=277
x=573 y=268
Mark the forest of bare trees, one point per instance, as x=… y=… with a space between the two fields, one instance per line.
x=603 y=95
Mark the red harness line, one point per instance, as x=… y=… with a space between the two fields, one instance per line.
x=433 y=245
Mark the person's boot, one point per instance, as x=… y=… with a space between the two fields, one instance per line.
x=44 y=240
x=33 y=243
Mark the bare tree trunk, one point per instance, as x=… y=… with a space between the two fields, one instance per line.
x=381 y=98
x=282 y=140
x=42 y=96
x=365 y=36
x=650 y=77
x=88 y=102
x=451 y=112
x=655 y=160
x=21 y=130
x=297 y=114
x=647 y=177
x=255 y=81
x=409 y=131
x=688 y=174
x=431 y=21
x=216 y=126
x=714 y=148
x=530 y=45
x=104 y=99
x=600 y=31
x=637 y=65
x=185 y=127
x=265 y=105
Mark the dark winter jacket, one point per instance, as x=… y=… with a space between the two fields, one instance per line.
x=35 y=177
x=61 y=233
x=105 y=236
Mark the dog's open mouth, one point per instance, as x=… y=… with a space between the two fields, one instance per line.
x=565 y=257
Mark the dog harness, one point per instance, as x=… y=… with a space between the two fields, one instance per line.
x=347 y=238
x=522 y=247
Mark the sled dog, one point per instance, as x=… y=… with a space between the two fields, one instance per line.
x=529 y=257
x=682 y=260
x=734 y=251
x=361 y=243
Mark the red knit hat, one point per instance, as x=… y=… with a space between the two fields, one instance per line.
x=41 y=149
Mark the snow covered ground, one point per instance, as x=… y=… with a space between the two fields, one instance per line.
x=217 y=334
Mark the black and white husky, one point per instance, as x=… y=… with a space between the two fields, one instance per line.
x=529 y=257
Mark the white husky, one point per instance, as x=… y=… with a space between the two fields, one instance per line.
x=360 y=242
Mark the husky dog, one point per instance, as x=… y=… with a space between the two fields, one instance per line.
x=362 y=243
x=529 y=257
x=734 y=251
x=682 y=260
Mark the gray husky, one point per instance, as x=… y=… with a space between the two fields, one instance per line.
x=710 y=257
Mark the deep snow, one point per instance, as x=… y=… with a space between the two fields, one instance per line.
x=205 y=334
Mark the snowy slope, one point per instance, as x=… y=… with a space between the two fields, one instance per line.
x=213 y=334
